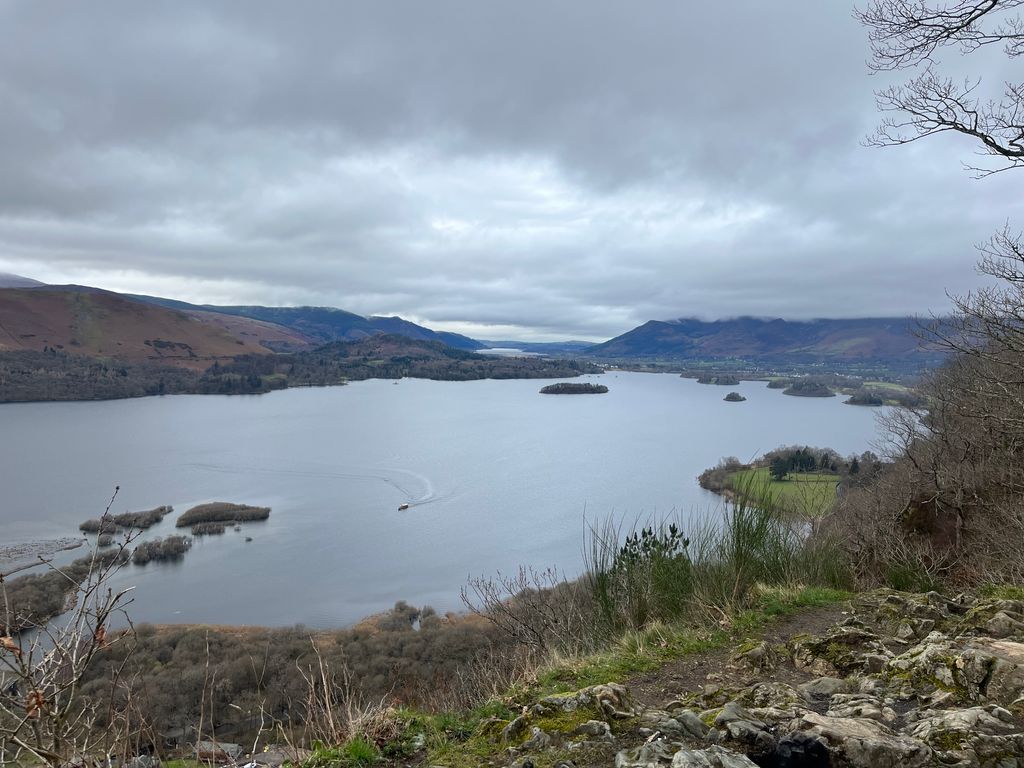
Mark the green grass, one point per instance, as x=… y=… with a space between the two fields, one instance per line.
x=645 y=650
x=1003 y=592
x=357 y=752
x=881 y=386
x=804 y=493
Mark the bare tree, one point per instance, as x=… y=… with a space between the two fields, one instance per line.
x=909 y=34
x=42 y=714
x=538 y=609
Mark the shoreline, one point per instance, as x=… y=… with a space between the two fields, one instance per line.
x=25 y=555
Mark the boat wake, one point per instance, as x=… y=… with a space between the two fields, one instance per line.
x=418 y=489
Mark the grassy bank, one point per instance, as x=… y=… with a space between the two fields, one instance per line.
x=807 y=493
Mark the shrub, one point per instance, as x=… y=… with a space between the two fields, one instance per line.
x=662 y=573
x=171 y=548
x=207 y=529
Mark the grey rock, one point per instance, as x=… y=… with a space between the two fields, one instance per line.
x=839 y=650
x=823 y=688
x=914 y=629
x=862 y=743
x=611 y=699
x=515 y=729
x=1005 y=625
x=654 y=754
x=934 y=727
x=713 y=757
x=761 y=657
x=875 y=662
x=978 y=669
x=539 y=740
x=771 y=694
x=680 y=724
x=595 y=729
x=860 y=705
x=739 y=727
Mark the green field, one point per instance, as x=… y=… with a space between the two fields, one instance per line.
x=804 y=493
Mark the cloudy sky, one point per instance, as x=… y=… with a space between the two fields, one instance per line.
x=522 y=169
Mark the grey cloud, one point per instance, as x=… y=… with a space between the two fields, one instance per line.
x=561 y=169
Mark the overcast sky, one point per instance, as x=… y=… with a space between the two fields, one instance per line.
x=531 y=170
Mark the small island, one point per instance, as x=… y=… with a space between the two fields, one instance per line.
x=871 y=399
x=805 y=388
x=734 y=397
x=720 y=379
x=139 y=521
x=567 y=388
x=221 y=512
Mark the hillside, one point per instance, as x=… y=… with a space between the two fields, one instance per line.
x=7 y=280
x=94 y=323
x=747 y=338
x=390 y=356
x=322 y=324
x=29 y=375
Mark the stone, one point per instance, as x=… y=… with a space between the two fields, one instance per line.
x=594 y=730
x=860 y=705
x=863 y=743
x=976 y=669
x=934 y=728
x=539 y=740
x=761 y=657
x=822 y=688
x=841 y=649
x=653 y=754
x=515 y=729
x=914 y=629
x=875 y=662
x=680 y=724
x=739 y=727
x=771 y=694
x=713 y=757
x=1005 y=625
x=611 y=699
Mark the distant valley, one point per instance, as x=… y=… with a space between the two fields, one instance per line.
x=78 y=342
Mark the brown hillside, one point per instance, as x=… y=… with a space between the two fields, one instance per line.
x=269 y=335
x=103 y=324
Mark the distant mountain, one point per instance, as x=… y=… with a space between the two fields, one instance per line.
x=541 y=347
x=792 y=341
x=324 y=324
x=96 y=323
x=7 y=280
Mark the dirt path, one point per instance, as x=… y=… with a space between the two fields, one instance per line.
x=695 y=672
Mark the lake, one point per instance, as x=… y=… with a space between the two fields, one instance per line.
x=496 y=475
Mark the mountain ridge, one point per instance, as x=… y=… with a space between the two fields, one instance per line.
x=759 y=339
x=323 y=324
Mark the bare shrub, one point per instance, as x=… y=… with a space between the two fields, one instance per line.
x=539 y=609
x=42 y=716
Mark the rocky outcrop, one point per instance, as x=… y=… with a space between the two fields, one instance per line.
x=901 y=681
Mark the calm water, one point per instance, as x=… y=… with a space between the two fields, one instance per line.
x=497 y=476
